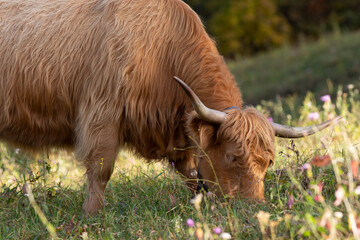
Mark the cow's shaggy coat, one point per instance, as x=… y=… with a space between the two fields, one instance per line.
x=98 y=74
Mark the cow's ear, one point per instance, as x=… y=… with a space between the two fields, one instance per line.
x=203 y=132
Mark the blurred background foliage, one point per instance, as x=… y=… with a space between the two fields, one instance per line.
x=247 y=27
x=282 y=48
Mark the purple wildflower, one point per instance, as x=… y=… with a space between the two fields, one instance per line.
x=217 y=230
x=190 y=222
x=271 y=119
x=313 y=116
x=325 y=98
x=290 y=202
x=305 y=166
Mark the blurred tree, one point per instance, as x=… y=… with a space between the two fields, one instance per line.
x=207 y=8
x=246 y=27
x=242 y=27
x=311 y=18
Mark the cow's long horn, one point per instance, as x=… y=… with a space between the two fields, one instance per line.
x=207 y=114
x=298 y=132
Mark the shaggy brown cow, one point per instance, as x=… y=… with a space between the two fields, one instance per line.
x=98 y=74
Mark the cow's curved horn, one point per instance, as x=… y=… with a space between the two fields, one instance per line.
x=298 y=132
x=207 y=114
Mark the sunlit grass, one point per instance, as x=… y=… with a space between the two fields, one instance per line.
x=149 y=201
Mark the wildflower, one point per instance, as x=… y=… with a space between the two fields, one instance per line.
x=325 y=98
x=217 y=230
x=190 y=222
x=320 y=187
x=210 y=195
x=271 y=119
x=324 y=222
x=263 y=218
x=339 y=194
x=357 y=190
x=199 y=233
x=321 y=161
x=350 y=86
x=84 y=235
x=313 y=116
x=178 y=224
x=354 y=168
x=306 y=166
x=225 y=235
x=196 y=200
x=338 y=215
x=290 y=202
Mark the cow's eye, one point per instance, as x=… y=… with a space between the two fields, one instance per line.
x=271 y=162
x=230 y=158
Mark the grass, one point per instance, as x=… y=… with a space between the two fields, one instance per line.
x=297 y=70
x=319 y=200
x=150 y=202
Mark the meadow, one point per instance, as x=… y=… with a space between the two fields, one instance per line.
x=312 y=190
x=310 y=66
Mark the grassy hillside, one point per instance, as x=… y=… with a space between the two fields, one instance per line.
x=308 y=67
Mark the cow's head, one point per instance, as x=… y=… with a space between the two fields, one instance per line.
x=236 y=146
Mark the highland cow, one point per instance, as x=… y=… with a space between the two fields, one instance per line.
x=97 y=75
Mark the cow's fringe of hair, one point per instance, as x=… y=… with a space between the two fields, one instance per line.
x=253 y=137
x=249 y=129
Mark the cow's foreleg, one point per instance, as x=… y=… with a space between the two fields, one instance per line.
x=100 y=152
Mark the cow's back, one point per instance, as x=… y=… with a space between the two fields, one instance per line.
x=50 y=53
x=65 y=64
